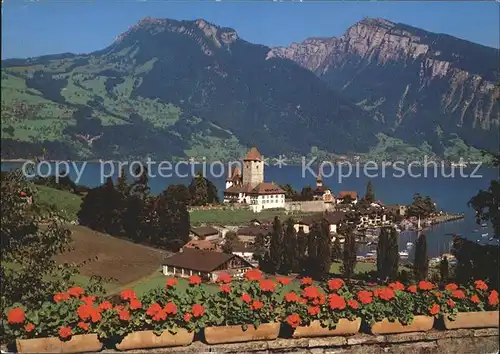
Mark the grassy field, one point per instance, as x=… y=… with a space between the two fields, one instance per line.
x=113 y=258
x=360 y=268
x=237 y=216
x=66 y=204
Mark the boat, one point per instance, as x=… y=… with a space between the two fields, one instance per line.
x=484 y=225
x=403 y=254
x=409 y=244
x=476 y=230
x=485 y=235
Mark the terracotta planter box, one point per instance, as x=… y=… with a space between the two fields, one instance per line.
x=235 y=334
x=82 y=343
x=344 y=327
x=483 y=319
x=148 y=339
x=419 y=324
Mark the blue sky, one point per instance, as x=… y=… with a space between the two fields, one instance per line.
x=39 y=27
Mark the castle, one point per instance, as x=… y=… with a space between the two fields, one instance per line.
x=250 y=188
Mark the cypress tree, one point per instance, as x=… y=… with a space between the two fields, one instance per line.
x=370 y=193
x=388 y=254
x=381 y=253
x=392 y=254
x=302 y=241
x=290 y=252
x=336 y=250
x=349 y=256
x=421 y=263
x=324 y=247
x=276 y=247
x=311 y=263
x=444 y=269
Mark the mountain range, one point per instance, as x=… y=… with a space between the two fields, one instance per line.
x=173 y=89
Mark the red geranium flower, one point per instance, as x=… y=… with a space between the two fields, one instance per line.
x=256 y=305
x=493 y=298
x=224 y=278
x=124 y=315
x=135 y=304
x=171 y=282
x=253 y=275
x=267 y=285
x=438 y=294
x=320 y=300
x=84 y=311
x=291 y=297
x=83 y=326
x=434 y=310
x=385 y=294
x=313 y=310
x=160 y=315
x=187 y=317
x=16 y=316
x=310 y=292
x=88 y=300
x=198 y=310
x=225 y=288
x=475 y=299
x=481 y=285
x=450 y=303
x=412 y=289
x=153 y=309
x=61 y=297
x=335 y=284
x=353 y=304
x=451 y=287
x=65 y=332
x=425 y=285
x=283 y=280
x=76 y=291
x=171 y=308
x=336 y=302
x=105 y=305
x=365 y=296
x=293 y=320
x=194 y=280
x=397 y=286
x=458 y=294
x=128 y=294
x=29 y=327
x=246 y=298
x=306 y=281
x=95 y=315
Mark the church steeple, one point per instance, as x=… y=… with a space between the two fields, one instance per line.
x=319 y=178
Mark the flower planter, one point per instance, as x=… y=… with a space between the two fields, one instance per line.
x=344 y=327
x=419 y=324
x=148 y=339
x=235 y=334
x=83 y=343
x=483 y=319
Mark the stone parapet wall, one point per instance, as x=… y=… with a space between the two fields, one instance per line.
x=461 y=341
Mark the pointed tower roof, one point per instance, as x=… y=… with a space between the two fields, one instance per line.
x=319 y=178
x=253 y=155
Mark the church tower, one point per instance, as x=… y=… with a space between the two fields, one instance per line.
x=319 y=178
x=253 y=168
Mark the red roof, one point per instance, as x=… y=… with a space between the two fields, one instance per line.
x=352 y=194
x=253 y=155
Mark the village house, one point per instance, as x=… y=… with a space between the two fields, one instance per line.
x=334 y=220
x=351 y=194
x=204 y=233
x=207 y=264
x=203 y=245
x=250 y=188
x=245 y=251
x=249 y=233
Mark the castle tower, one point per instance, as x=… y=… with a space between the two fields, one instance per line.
x=253 y=168
x=229 y=179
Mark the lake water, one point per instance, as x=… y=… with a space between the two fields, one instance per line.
x=451 y=193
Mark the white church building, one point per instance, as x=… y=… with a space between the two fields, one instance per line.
x=250 y=187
